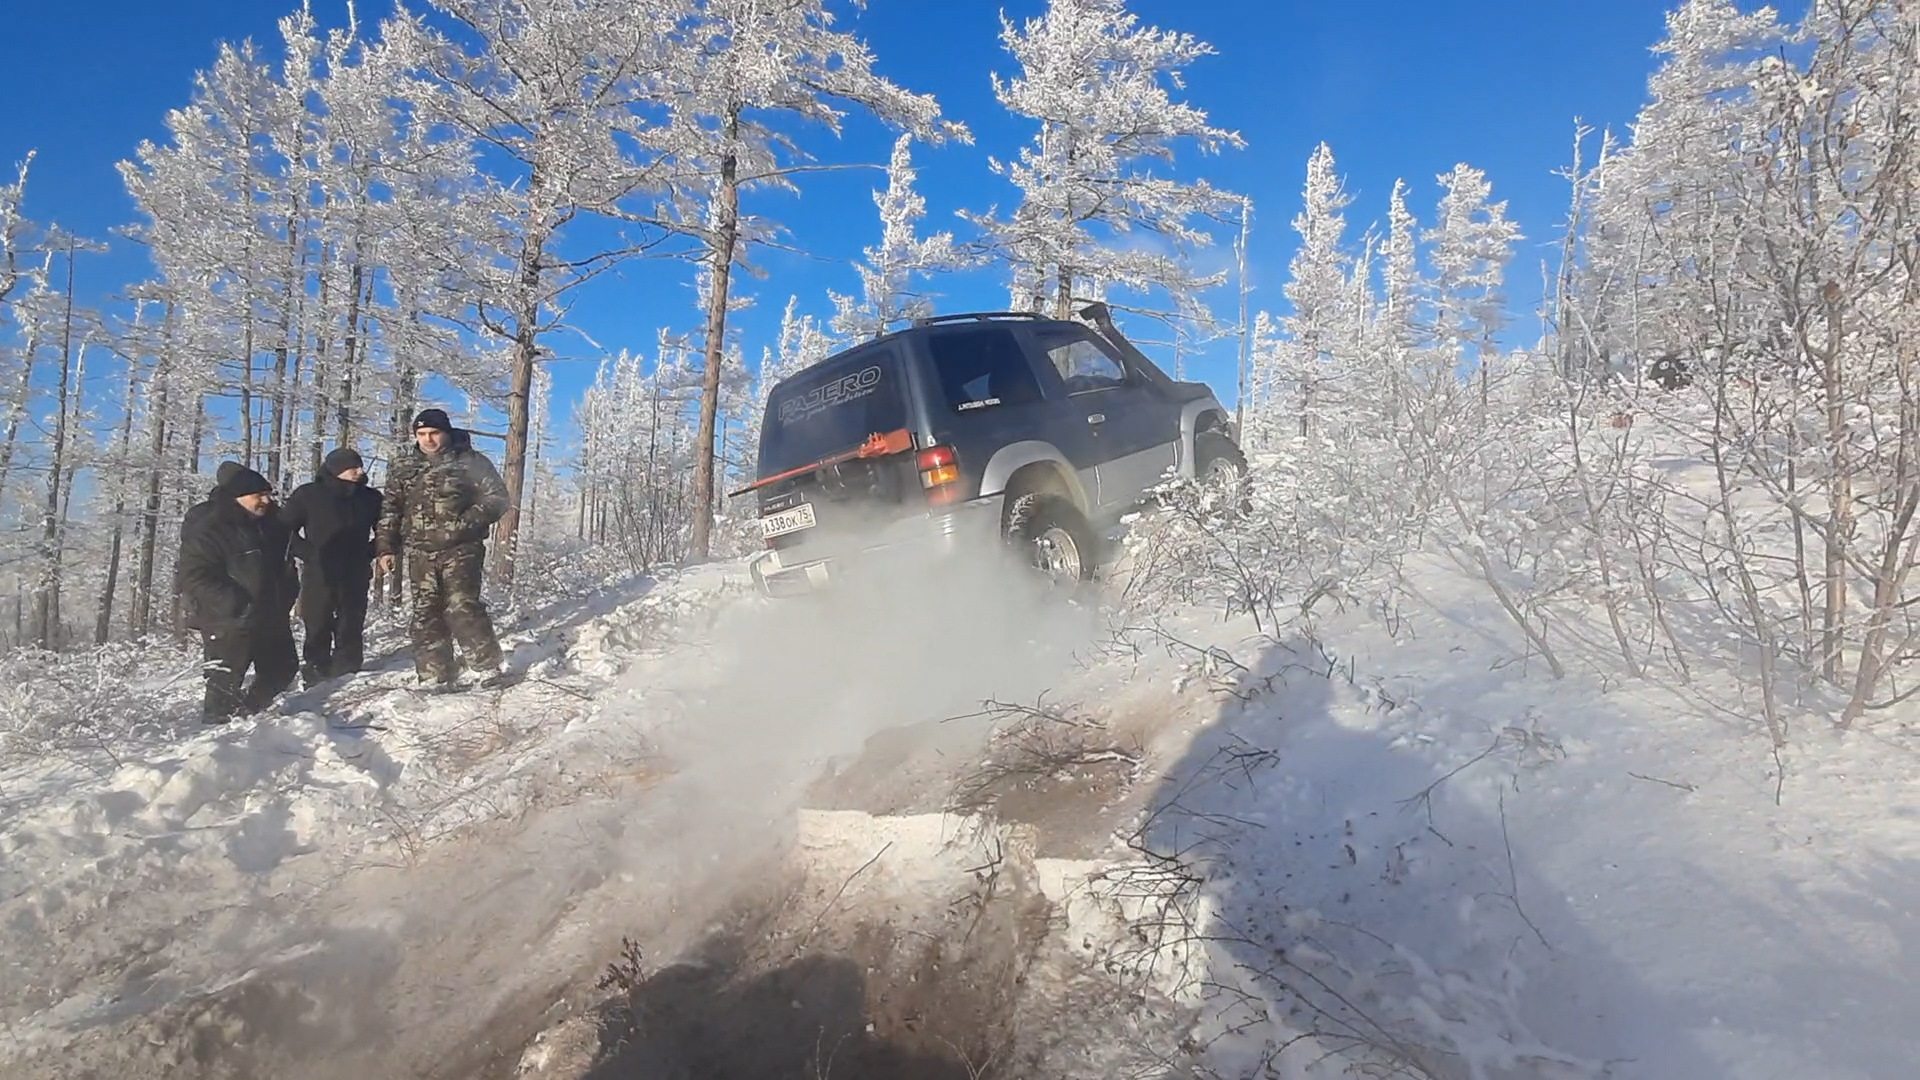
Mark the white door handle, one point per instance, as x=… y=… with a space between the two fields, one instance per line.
x=1097 y=418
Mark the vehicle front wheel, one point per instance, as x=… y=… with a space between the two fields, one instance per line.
x=1047 y=533
x=1221 y=468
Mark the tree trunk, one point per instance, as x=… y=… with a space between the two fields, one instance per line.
x=198 y=440
x=536 y=436
x=142 y=613
x=46 y=602
x=68 y=479
x=17 y=412
x=288 y=354
x=1245 y=361
x=403 y=401
x=275 y=458
x=1839 y=526
x=406 y=385
x=525 y=352
x=653 y=537
x=246 y=395
x=316 y=445
x=725 y=234
x=1563 y=282
x=362 y=295
x=103 y=621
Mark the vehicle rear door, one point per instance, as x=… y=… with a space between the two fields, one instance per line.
x=1136 y=429
x=817 y=415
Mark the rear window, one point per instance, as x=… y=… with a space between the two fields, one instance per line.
x=982 y=369
x=820 y=413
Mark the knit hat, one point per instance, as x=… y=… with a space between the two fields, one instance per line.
x=433 y=418
x=227 y=471
x=342 y=459
x=243 y=481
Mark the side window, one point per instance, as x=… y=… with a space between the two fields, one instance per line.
x=1083 y=365
x=982 y=368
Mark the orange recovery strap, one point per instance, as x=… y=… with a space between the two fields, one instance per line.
x=877 y=445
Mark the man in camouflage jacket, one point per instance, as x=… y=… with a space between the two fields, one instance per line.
x=442 y=497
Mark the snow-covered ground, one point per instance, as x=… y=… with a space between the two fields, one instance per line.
x=1405 y=842
x=153 y=867
x=369 y=879
x=1414 y=842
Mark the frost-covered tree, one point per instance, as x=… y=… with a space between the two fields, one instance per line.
x=1319 y=330
x=1400 y=279
x=1757 y=233
x=631 y=468
x=15 y=230
x=1266 y=383
x=563 y=94
x=25 y=277
x=1093 y=207
x=745 y=71
x=887 y=277
x=1469 y=247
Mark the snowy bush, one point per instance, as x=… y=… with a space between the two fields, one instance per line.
x=1309 y=533
x=90 y=709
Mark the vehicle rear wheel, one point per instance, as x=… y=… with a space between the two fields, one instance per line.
x=1221 y=467
x=1053 y=537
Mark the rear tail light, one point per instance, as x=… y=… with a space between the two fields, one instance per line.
x=939 y=474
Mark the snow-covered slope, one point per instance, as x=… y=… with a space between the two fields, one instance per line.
x=1414 y=841
x=367 y=881
x=158 y=872
x=1396 y=836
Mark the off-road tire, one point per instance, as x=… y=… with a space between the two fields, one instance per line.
x=1214 y=453
x=1040 y=516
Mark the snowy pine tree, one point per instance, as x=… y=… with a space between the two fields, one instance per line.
x=1470 y=245
x=1319 y=332
x=1093 y=212
x=887 y=277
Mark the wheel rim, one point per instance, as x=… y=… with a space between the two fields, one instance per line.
x=1057 y=554
x=1223 y=475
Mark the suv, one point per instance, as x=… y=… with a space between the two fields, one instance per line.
x=969 y=430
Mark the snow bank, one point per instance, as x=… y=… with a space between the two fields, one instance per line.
x=1415 y=850
x=111 y=864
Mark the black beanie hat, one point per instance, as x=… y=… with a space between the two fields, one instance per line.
x=433 y=418
x=243 y=481
x=342 y=459
x=227 y=471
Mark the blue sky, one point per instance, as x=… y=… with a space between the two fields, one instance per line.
x=1398 y=88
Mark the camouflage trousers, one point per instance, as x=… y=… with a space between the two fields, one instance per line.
x=447 y=608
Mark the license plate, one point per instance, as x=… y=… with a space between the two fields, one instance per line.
x=787 y=521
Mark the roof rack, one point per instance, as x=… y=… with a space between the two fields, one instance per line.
x=977 y=316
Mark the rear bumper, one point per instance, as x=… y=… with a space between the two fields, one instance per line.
x=918 y=541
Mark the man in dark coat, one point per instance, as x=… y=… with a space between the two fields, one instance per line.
x=442 y=498
x=237 y=579
x=333 y=518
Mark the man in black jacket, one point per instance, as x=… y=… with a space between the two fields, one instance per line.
x=337 y=513
x=236 y=576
